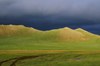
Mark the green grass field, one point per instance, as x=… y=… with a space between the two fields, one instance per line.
x=49 y=53
x=27 y=43
x=47 y=58
x=23 y=46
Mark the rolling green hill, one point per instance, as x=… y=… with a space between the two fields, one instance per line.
x=19 y=37
x=15 y=30
x=62 y=34
x=87 y=34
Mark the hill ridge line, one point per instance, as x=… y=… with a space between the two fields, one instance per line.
x=62 y=34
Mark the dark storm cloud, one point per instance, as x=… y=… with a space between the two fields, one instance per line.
x=49 y=14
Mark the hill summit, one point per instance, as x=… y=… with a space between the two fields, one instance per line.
x=62 y=34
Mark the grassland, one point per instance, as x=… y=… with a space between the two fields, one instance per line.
x=27 y=43
x=50 y=58
x=24 y=46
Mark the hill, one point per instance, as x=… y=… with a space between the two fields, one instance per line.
x=15 y=30
x=62 y=34
x=87 y=34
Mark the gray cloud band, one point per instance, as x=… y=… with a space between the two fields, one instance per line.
x=86 y=9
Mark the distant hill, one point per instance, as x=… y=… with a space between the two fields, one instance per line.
x=15 y=30
x=87 y=34
x=62 y=34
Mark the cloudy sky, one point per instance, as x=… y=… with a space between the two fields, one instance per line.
x=52 y=14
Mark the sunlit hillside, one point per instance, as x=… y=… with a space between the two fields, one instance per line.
x=62 y=34
x=16 y=30
x=87 y=34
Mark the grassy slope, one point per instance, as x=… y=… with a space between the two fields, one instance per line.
x=22 y=43
x=16 y=30
x=23 y=38
x=87 y=34
x=69 y=34
x=63 y=34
